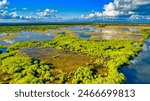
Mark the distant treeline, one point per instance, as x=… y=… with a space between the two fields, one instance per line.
x=55 y=23
x=69 y=23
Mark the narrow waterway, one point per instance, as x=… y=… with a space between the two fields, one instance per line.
x=138 y=72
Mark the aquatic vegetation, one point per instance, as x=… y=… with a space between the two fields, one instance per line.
x=101 y=48
x=83 y=76
x=90 y=76
x=28 y=44
x=145 y=34
x=2 y=46
x=114 y=53
x=16 y=67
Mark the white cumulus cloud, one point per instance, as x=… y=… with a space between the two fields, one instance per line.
x=3 y=3
x=47 y=13
x=25 y=9
x=13 y=15
x=137 y=17
x=122 y=8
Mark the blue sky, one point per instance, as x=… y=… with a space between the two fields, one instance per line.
x=74 y=10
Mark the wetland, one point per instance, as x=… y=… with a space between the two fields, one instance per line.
x=74 y=54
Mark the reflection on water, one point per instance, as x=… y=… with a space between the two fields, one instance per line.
x=27 y=36
x=111 y=31
x=132 y=30
x=35 y=36
x=4 y=43
x=100 y=33
x=82 y=35
x=80 y=28
x=139 y=69
x=3 y=34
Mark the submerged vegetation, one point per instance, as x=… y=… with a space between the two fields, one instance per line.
x=106 y=57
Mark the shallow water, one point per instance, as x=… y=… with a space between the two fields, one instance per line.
x=80 y=31
x=132 y=30
x=138 y=72
x=82 y=35
x=80 y=28
x=111 y=31
x=3 y=42
x=63 y=60
x=27 y=36
x=3 y=34
x=35 y=36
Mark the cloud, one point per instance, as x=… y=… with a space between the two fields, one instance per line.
x=47 y=13
x=138 y=17
x=123 y=8
x=14 y=15
x=110 y=10
x=3 y=3
x=6 y=15
x=51 y=10
x=25 y=9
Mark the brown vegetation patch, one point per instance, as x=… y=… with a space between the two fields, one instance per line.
x=65 y=61
x=7 y=37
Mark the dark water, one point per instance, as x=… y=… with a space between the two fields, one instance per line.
x=3 y=50
x=138 y=72
x=82 y=35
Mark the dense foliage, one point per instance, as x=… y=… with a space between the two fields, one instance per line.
x=88 y=76
x=16 y=67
